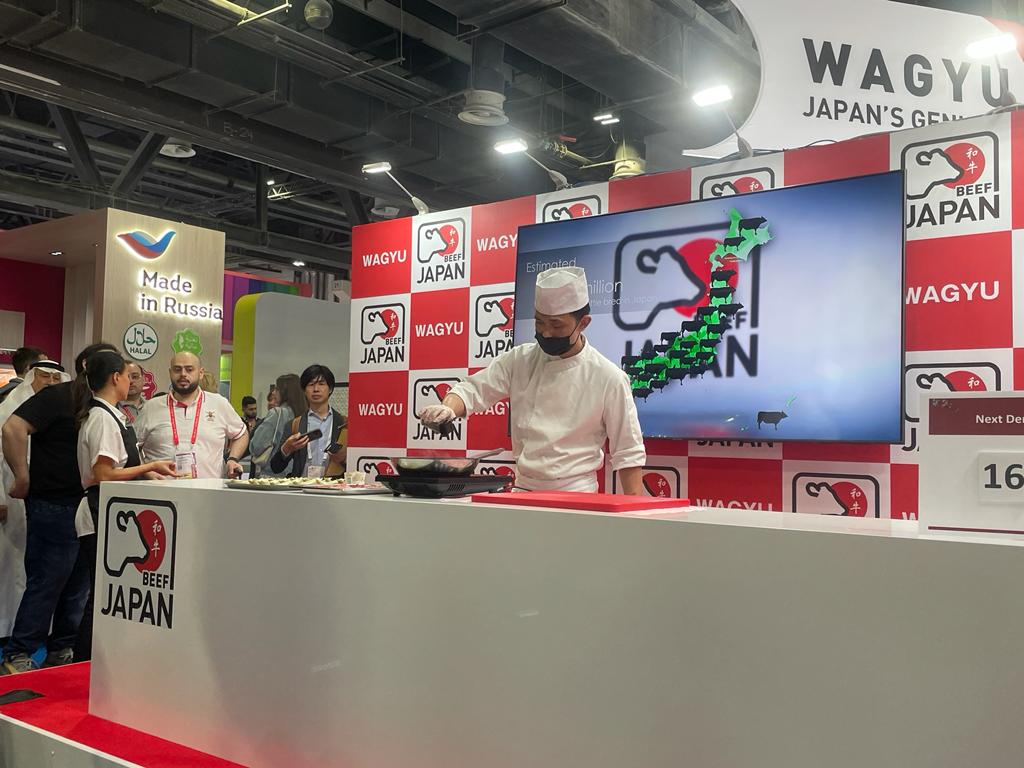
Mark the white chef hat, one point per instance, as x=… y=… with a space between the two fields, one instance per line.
x=561 y=290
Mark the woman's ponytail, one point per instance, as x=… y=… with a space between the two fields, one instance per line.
x=96 y=372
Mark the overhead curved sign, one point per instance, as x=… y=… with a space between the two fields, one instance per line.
x=834 y=70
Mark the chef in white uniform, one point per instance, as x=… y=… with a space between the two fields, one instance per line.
x=566 y=397
x=12 y=511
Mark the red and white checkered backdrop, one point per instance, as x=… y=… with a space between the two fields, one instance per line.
x=424 y=292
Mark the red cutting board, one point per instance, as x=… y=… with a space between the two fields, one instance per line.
x=593 y=502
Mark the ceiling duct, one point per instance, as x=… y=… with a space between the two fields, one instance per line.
x=485 y=98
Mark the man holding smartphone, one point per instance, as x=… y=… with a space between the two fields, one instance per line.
x=319 y=438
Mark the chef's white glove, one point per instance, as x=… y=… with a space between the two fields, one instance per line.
x=433 y=416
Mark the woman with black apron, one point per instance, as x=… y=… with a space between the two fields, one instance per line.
x=107 y=450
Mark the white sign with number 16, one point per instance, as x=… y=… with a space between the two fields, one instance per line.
x=1001 y=477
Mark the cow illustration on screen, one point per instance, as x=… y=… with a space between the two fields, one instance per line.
x=770 y=417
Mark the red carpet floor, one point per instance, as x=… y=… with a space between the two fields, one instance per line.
x=64 y=711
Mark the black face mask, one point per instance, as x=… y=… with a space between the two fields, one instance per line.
x=556 y=345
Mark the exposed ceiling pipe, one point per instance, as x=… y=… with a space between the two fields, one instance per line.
x=485 y=97
x=219 y=182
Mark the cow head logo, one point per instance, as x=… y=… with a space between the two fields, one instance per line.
x=383 y=322
x=144 y=245
x=376 y=465
x=572 y=208
x=958 y=164
x=825 y=493
x=140 y=534
x=430 y=392
x=443 y=239
x=742 y=183
x=506 y=469
x=940 y=377
x=494 y=312
x=660 y=482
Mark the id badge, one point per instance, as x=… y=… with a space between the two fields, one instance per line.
x=185 y=465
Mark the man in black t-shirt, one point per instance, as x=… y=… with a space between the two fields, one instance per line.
x=57 y=580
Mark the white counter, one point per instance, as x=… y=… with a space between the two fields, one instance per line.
x=374 y=632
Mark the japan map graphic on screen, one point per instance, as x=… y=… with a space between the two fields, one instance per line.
x=775 y=315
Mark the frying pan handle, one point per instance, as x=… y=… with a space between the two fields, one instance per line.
x=487 y=454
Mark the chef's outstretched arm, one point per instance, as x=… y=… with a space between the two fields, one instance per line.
x=477 y=393
x=625 y=440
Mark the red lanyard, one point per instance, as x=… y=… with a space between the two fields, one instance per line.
x=195 y=420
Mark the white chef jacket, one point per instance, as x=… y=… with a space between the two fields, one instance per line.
x=562 y=412
x=218 y=424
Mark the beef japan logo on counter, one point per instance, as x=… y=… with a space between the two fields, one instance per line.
x=941 y=377
x=138 y=559
x=833 y=493
x=693 y=280
x=728 y=184
x=432 y=392
x=952 y=181
x=572 y=208
x=440 y=253
x=382 y=332
x=494 y=316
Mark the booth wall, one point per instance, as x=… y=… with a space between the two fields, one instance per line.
x=37 y=291
x=237 y=285
x=964 y=316
x=278 y=333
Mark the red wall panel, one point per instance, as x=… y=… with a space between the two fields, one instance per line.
x=38 y=292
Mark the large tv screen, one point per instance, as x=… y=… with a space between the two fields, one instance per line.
x=776 y=315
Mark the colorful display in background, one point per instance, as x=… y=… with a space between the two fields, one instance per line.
x=963 y=310
x=237 y=285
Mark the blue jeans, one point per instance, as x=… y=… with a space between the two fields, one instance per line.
x=56 y=580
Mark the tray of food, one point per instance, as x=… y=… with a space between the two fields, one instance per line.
x=345 y=489
x=274 y=483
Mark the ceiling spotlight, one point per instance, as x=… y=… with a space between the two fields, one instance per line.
x=385 y=167
x=56 y=253
x=271 y=182
x=318 y=14
x=716 y=94
x=991 y=46
x=60 y=145
x=510 y=146
x=610 y=121
x=382 y=167
x=177 y=148
x=603 y=116
x=298 y=263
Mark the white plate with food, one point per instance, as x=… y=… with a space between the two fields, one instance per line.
x=273 y=483
x=343 y=489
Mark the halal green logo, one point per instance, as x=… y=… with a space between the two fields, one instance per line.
x=187 y=341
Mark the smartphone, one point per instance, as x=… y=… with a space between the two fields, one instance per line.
x=333 y=448
x=313 y=434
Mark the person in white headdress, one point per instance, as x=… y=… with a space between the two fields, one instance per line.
x=566 y=397
x=12 y=511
